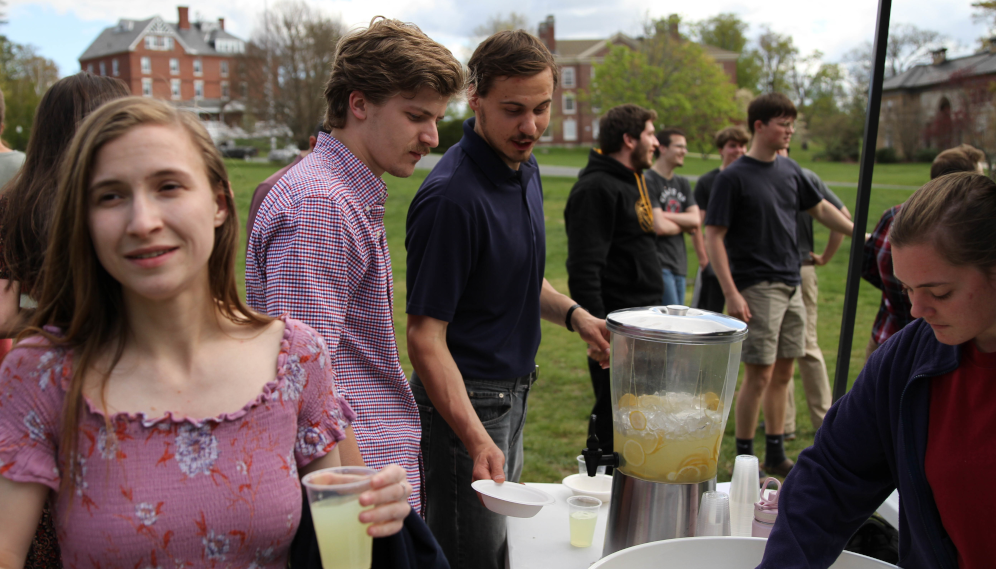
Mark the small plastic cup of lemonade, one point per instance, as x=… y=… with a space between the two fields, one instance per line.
x=584 y=515
x=334 y=499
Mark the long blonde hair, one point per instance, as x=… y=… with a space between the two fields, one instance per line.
x=78 y=295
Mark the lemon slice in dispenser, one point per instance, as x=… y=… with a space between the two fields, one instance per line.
x=637 y=419
x=633 y=453
x=648 y=442
x=628 y=400
x=711 y=401
x=688 y=475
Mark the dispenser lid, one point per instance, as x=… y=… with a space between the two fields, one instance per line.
x=676 y=324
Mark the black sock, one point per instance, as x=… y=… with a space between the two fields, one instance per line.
x=745 y=446
x=774 y=450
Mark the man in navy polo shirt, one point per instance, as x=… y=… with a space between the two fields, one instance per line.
x=476 y=256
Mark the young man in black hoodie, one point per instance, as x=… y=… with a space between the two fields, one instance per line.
x=612 y=259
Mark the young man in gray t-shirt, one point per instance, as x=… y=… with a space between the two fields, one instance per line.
x=675 y=213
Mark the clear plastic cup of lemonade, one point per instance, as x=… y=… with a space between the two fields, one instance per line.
x=583 y=512
x=334 y=499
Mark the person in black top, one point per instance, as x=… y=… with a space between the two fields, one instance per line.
x=751 y=236
x=476 y=244
x=612 y=260
x=732 y=143
x=671 y=199
x=812 y=367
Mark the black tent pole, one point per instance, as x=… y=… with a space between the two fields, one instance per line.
x=864 y=193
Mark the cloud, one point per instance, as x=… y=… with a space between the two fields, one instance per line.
x=812 y=25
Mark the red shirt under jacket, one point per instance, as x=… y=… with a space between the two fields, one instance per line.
x=961 y=454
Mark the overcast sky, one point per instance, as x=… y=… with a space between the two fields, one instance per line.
x=62 y=29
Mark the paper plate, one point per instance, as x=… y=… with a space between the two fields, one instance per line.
x=511 y=499
x=599 y=486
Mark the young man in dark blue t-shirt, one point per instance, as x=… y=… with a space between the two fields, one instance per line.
x=476 y=245
x=751 y=236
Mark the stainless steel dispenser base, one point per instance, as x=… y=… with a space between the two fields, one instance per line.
x=641 y=511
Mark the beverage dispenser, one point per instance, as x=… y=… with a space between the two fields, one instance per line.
x=674 y=371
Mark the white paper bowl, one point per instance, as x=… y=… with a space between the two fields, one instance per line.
x=712 y=553
x=599 y=486
x=511 y=499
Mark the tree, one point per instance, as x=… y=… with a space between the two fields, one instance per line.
x=287 y=65
x=775 y=54
x=498 y=23
x=729 y=32
x=908 y=45
x=674 y=77
x=24 y=78
x=985 y=11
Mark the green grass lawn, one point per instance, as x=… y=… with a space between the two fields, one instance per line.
x=562 y=398
x=914 y=174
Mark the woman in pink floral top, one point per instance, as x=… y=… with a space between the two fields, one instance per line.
x=166 y=422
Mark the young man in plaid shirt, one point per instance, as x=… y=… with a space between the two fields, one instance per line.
x=318 y=249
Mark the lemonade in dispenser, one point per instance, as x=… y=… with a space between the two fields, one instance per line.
x=674 y=371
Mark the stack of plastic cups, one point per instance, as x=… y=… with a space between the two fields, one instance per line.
x=714 y=515
x=743 y=495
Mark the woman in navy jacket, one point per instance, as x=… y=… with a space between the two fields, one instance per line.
x=921 y=416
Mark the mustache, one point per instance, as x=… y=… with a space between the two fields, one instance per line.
x=420 y=148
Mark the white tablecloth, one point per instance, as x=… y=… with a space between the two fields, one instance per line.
x=544 y=542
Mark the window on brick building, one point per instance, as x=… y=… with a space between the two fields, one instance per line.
x=115 y=67
x=174 y=66
x=146 y=87
x=159 y=43
x=174 y=89
x=146 y=65
x=198 y=67
x=567 y=78
x=198 y=89
x=224 y=90
x=243 y=89
x=103 y=68
x=570 y=130
x=224 y=69
x=89 y=68
x=570 y=104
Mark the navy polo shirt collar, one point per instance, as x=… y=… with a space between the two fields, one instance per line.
x=490 y=163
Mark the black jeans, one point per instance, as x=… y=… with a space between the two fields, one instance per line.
x=471 y=535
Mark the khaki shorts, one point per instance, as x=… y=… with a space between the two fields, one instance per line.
x=777 y=327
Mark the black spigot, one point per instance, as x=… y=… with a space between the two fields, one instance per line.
x=594 y=456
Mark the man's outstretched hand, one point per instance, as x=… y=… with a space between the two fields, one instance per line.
x=593 y=331
x=489 y=462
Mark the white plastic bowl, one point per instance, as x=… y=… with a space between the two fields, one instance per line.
x=511 y=499
x=712 y=553
x=599 y=486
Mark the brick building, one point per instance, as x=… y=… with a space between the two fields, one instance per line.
x=189 y=63
x=573 y=122
x=941 y=104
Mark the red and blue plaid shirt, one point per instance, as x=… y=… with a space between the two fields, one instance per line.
x=894 y=312
x=318 y=252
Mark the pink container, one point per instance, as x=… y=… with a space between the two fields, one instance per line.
x=765 y=511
